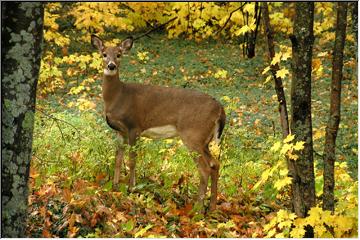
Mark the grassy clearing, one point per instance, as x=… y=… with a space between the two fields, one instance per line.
x=76 y=153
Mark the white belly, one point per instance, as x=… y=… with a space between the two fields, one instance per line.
x=167 y=131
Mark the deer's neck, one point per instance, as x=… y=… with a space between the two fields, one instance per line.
x=112 y=86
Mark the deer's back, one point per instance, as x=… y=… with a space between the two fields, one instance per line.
x=168 y=106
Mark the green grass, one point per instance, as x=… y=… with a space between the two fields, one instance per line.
x=82 y=146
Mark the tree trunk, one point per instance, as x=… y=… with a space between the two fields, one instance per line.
x=354 y=19
x=284 y=119
x=303 y=183
x=274 y=68
x=22 y=27
x=253 y=34
x=334 y=118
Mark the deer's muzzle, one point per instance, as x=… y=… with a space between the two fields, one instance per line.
x=111 y=66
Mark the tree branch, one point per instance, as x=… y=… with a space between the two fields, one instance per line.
x=153 y=29
x=227 y=20
x=57 y=120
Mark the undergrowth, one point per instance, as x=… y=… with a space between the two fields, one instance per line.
x=74 y=150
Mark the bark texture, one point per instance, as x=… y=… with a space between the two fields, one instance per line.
x=303 y=183
x=274 y=68
x=250 y=51
x=354 y=19
x=22 y=27
x=335 y=103
x=284 y=118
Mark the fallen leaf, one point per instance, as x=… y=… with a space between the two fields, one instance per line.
x=67 y=195
x=46 y=233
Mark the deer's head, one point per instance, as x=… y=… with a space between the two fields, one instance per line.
x=111 y=55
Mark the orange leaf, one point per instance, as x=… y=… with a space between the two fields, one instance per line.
x=72 y=232
x=46 y=233
x=72 y=220
x=43 y=211
x=94 y=220
x=67 y=195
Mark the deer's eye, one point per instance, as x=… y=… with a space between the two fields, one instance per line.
x=104 y=55
x=119 y=55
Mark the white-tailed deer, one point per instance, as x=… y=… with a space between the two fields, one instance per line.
x=136 y=110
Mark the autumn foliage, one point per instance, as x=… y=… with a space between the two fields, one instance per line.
x=203 y=48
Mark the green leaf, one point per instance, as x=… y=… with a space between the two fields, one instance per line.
x=143 y=231
x=127 y=227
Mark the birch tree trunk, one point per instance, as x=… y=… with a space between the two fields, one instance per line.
x=22 y=27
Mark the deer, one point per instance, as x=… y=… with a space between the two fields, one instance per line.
x=134 y=110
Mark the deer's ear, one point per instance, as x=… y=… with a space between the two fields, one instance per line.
x=97 y=42
x=126 y=45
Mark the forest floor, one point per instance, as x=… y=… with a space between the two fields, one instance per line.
x=73 y=151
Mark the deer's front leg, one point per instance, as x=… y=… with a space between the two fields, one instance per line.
x=133 y=136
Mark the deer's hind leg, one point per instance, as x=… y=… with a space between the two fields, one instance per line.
x=133 y=137
x=197 y=143
x=215 y=166
x=204 y=170
x=119 y=160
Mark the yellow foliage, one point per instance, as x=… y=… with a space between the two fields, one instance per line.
x=276 y=59
x=98 y=15
x=289 y=138
x=318 y=133
x=282 y=73
x=268 y=78
x=50 y=77
x=280 y=22
x=214 y=149
x=51 y=33
x=281 y=183
x=266 y=70
x=226 y=99
x=344 y=220
x=221 y=73
x=143 y=56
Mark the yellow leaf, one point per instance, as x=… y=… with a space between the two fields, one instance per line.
x=319 y=230
x=343 y=224
x=248 y=7
x=276 y=147
x=285 y=148
x=283 y=224
x=199 y=23
x=271 y=233
x=297 y=232
x=322 y=54
x=283 y=172
x=221 y=73
x=282 y=73
x=266 y=70
x=299 y=145
x=226 y=99
x=243 y=30
x=318 y=133
x=314 y=216
x=289 y=138
x=276 y=59
x=292 y=156
x=286 y=55
x=279 y=184
x=268 y=78
x=214 y=149
x=280 y=235
x=316 y=63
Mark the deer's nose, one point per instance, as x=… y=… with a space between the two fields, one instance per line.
x=111 y=66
